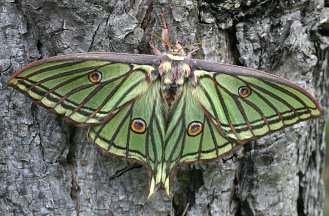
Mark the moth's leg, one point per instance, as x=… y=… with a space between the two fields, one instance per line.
x=165 y=33
x=179 y=47
x=177 y=44
x=156 y=51
x=190 y=53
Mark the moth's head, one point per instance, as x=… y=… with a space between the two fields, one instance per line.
x=176 y=50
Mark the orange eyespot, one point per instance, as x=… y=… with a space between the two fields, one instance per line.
x=138 y=125
x=194 y=128
x=244 y=91
x=95 y=76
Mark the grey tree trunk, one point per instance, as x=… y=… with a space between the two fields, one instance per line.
x=49 y=168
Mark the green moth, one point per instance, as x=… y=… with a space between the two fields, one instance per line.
x=167 y=110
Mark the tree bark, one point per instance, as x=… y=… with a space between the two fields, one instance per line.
x=49 y=167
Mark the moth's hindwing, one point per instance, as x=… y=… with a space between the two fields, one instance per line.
x=191 y=137
x=136 y=133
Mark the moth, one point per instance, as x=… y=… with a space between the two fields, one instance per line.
x=167 y=110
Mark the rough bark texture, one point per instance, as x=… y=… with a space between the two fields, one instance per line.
x=49 y=167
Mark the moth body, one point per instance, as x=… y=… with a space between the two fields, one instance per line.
x=174 y=71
